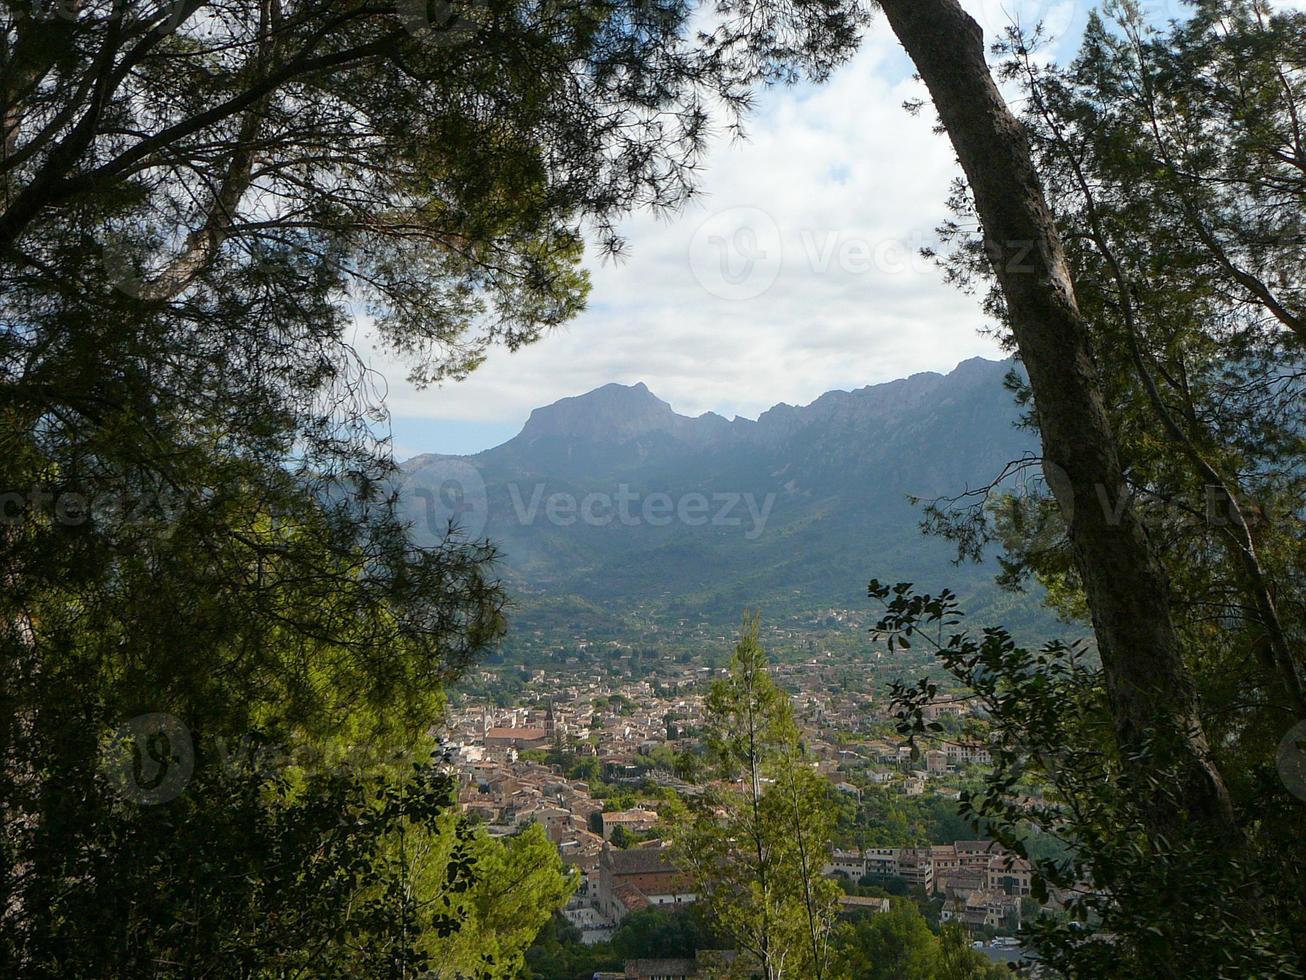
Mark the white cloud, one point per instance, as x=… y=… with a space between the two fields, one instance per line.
x=831 y=196
x=837 y=169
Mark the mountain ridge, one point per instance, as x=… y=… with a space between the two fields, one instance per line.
x=822 y=499
x=576 y=416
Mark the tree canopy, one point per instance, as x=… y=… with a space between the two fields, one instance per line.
x=1170 y=155
x=200 y=540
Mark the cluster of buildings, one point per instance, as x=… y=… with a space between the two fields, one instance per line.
x=638 y=878
x=981 y=882
x=624 y=723
x=617 y=725
x=503 y=784
x=634 y=731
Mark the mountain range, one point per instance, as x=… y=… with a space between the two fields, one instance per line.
x=609 y=507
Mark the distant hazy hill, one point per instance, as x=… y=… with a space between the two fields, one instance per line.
x=794 y=511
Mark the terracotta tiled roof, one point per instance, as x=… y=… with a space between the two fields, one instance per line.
x=522 y=733
x=631 y=897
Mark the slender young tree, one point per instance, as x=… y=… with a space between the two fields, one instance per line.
x=758 y=842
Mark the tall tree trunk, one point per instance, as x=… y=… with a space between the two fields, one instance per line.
x=804 y=865
x=756 y=824
x=1151 y=693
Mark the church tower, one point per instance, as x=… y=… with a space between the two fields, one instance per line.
x=550 y=722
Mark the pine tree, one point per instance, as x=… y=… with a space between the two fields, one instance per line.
x=757 y=843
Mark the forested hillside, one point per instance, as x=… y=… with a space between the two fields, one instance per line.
x=788 y=513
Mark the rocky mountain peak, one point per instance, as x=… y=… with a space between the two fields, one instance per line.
x=612 y=413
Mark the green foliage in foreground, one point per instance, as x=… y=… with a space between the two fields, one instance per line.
x=1173 y=155
x=558 y=953
x=199 y=511
x=1048 y=715
x=898 y=945
x=255 y=873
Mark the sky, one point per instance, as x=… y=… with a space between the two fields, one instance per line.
x=796 y=272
